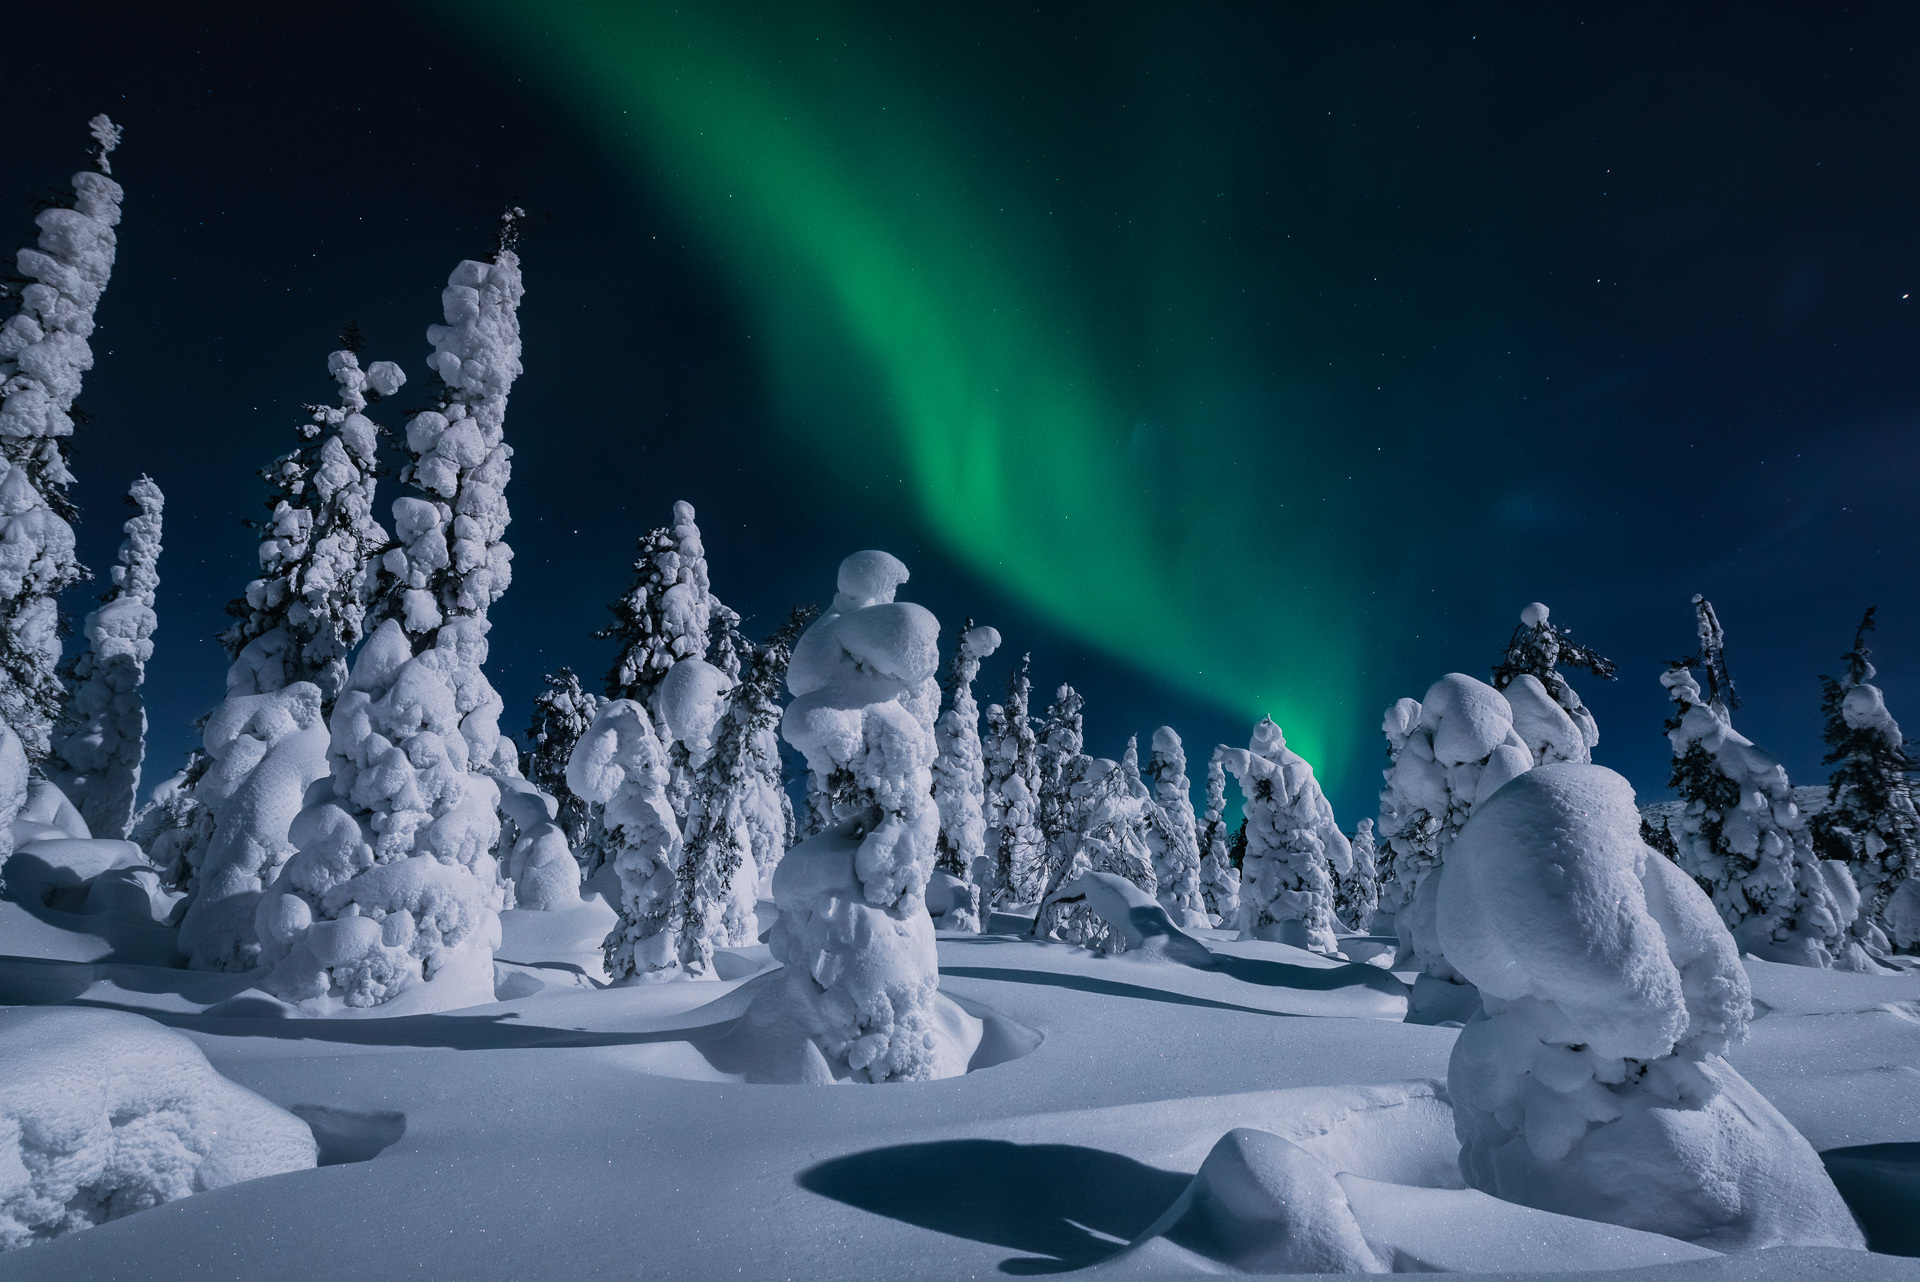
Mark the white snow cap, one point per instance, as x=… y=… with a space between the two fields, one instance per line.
x=1534 y=615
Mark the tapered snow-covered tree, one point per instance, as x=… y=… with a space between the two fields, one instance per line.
x=737 y=817
x=1547 y=713
x=1740 y=834
x=1869 y=821
x=99 y=745
x=306 y=612
x=1063 y=763
x=1294 y=848
x=667 y=615
x=561 y=714
x=1219 y=879
x=1106 y=835
x=959 y=772
x=861 y=978
x=43 y=354
x=620 y=765
x=1358 y=892
x=1170 y=833
x=1012 y=808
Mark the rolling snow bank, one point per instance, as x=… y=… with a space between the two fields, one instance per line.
x=1593 y=1081
x=103 y=1114
x=861 y=977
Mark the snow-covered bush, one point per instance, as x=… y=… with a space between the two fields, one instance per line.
x=1293 y=844
x=1740 y=834
x=1219 y=879
x=1869 y=821
x=1012 y=807
x=1593 y=1082
x=99 y=744
x=43 y=354
x=103 y=1114
x=393 y=884
x=561 y=714
x=620 y=766
x=1547 y=714
x=861 y=976
x=1170 y=834
x=1358 y=892
x=306 y=612
x=959 y=771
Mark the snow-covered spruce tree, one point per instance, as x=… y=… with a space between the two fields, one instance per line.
x=1106 y=835
x=1170 y=833
x=861 y=977
x=619 y=764
x=959 y=771
x=561 y=714
x=735 y=817
x=1740 y=835
x=1869 y=821
x=98 y=746
x=14 y=778
x=394 y=885
x=668 y=613
x=1592 y=1081
x=1293 y=845
x=1063 y=763
x=1547 y=714
x=1219 y=879
x=1013 y=793
x=1449 y=752
x=306 y=612
x=43 y=353
x=1357 y=893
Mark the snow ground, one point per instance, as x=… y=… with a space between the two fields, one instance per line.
x=571 y=1131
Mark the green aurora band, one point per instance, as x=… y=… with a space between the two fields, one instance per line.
x=1073 y=419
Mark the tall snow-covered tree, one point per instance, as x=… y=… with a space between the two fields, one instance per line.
x=1219 y=878
x=43 y=354
x=1012 y=807
x=667 y=615
x=738 y=814
x=959 y=772
x=1171 y=836
x=306 y=611
x=1106 y=835
x=620 y=766
x=99 y=745
x=1740 y=834
x=1542 y=701
x=1357 y=893
x=561 y=714
x=861 y=978
x=1062 y=761
x=394 y=888
x=1869 y=821
x=1294 y=848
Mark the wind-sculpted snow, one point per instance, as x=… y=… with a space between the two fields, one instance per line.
x=1594 y=1081
x=103 y=1114
x=861 y=976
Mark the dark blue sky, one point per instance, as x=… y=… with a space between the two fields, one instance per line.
x=1645 y=329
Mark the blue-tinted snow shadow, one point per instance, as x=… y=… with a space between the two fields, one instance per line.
x=1881 y=1185
x=345 y=1135
x=1104 y=987
x=1067 y=1207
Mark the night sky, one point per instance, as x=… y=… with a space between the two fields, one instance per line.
x=1230 y=360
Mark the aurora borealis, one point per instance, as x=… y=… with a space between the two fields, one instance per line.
x=1234 y=359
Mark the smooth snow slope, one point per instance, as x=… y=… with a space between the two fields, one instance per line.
x=578 y=1132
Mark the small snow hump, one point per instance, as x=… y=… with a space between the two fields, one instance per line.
x=1534 y=615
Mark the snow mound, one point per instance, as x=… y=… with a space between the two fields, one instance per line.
x=1140 y=918
x=103 y=1114
x=1592 y=1083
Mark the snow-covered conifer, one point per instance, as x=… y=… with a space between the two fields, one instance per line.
x=959 y=771
x=1547 y=714
x=1358 y=892
x=1869 y=821
x=306 y=612
x=43 y=354
x=1011 y=751
x=1219 y=879
x=861 y=976
x=1740 y=834
x=1592 y=1080
x=1105 y=835
x=668 y=613
x=620 y=766
x=1293 y=845
x=1170 y=833
x=561 y=714
x=99 y=745
x=1062 y=763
